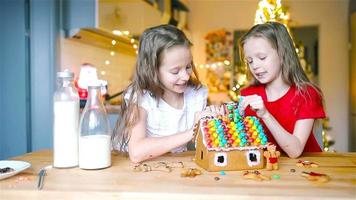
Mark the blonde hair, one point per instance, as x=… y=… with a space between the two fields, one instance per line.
x=277 y=35
x=153 y=43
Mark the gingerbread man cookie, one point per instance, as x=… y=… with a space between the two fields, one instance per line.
x=306 y=164
x=272 y=157
x=312 y=176
x=190 y=172
x=255 y=175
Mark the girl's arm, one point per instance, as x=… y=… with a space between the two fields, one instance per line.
x=142 y=148
x=292 y=144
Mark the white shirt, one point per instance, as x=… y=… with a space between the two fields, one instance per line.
x=164 y=120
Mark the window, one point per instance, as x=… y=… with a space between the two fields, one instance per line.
x=253 y=157
x=220 y=159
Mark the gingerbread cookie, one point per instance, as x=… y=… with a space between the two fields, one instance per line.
x=312 y=176
x=190 y=172
x=271 y=156
x=306 y=164
x=255 y=175
x=143 y=167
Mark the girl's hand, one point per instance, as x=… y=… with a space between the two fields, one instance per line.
x=200 y=114
x=216 y=109
x=208 y=111
x=256 y=104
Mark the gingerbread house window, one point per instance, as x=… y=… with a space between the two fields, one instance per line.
x=253 y=157
x=220 y=159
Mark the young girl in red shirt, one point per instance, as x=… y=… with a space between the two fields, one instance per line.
x=281 y=94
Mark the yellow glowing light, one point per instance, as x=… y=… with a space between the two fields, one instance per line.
x=226 y=62
x=126 y=33
x=117 y=32
x=113 y=42
x=132 y=40
x=112 y=53
x=242 y=78
x=107 y=62
x=135 y=46
x=103 y=72
x=271 y=10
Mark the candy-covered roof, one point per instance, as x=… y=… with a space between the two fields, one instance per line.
x=234 y=131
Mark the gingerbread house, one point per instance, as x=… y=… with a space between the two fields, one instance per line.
x=231 y=142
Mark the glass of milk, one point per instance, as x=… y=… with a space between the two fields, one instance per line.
x=94 y=130
x=65 y=124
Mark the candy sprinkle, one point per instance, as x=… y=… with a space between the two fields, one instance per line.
x=276 y=176
x=222 y=173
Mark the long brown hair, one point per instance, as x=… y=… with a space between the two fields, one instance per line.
x=279 y=38
x=153 y=43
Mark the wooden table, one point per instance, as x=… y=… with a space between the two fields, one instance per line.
x=121 y=182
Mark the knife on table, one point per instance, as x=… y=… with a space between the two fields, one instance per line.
x=41 y=176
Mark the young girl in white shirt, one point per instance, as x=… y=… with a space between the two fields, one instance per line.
x=165 y=99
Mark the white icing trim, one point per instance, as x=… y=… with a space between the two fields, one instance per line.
x=236 y=148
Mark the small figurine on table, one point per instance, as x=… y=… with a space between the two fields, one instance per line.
x=272 y=157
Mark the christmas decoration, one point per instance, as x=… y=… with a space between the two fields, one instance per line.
x=218 y=46
x=218 y=56
x=271 y=10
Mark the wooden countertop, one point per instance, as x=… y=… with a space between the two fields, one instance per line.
x=121 y=182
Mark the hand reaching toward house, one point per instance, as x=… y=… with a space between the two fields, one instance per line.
x=256 y=104
x=217 y=110
x=211 y=111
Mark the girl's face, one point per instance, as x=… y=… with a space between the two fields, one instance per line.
x=175 y=69
x=263 y=60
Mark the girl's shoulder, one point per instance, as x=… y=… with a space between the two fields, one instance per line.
x=309 y=92
x=313 y=90
x=144 y=98
x=309 y=102
x=193 y=92
x=147 y=100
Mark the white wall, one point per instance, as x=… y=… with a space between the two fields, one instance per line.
x=353 y=82
x=118 y=72
x=127 y=15
x=331 y=18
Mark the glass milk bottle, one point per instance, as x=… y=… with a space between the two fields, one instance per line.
x=94 y=130
x=65 y=124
